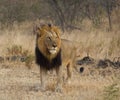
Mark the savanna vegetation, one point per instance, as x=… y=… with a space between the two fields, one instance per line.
x=94 y=25
x=68 y=14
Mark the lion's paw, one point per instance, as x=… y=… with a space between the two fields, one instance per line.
x=68 y=81
x=59 y=89
x=38 y=88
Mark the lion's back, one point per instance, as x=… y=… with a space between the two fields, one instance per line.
x=68 y=51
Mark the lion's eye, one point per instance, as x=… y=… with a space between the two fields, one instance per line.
x=48 y=38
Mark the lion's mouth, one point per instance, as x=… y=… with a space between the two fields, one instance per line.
x=53 y=50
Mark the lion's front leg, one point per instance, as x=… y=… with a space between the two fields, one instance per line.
x=43 y=73
x=59 y=79
x=42 y=77
x=41 y=87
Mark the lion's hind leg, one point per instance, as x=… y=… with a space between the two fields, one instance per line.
x=69 y=72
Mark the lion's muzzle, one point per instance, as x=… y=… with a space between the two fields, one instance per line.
x=53 y=50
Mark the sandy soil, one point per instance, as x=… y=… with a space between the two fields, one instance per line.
x=17 y=82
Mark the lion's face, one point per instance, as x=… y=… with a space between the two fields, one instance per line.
x=48 y=40
x=52 y=42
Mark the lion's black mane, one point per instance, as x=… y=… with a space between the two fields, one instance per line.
x=45 y=63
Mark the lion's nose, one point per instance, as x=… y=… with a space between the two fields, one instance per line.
x=54 y=45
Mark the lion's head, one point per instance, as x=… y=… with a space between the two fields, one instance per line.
x=48 y=40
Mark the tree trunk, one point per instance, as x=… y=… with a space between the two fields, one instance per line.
x=60 y=14
x=109 y=14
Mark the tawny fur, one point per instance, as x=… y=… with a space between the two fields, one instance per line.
x=52 y=52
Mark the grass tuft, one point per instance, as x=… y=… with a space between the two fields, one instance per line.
x=112 y=92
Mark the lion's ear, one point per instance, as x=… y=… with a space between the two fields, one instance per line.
x=37 y=30
x=50 y=25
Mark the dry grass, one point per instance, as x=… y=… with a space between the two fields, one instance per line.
x=97 y=43
x=19 y=35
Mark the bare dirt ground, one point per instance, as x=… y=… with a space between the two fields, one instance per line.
x=17 y=82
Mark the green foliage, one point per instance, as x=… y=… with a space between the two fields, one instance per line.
x=23 y=55
x=17 y=50
x=14 y=50
x=112 y=92
x=29 y=60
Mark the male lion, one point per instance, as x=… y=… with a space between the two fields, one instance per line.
x=52 y=52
